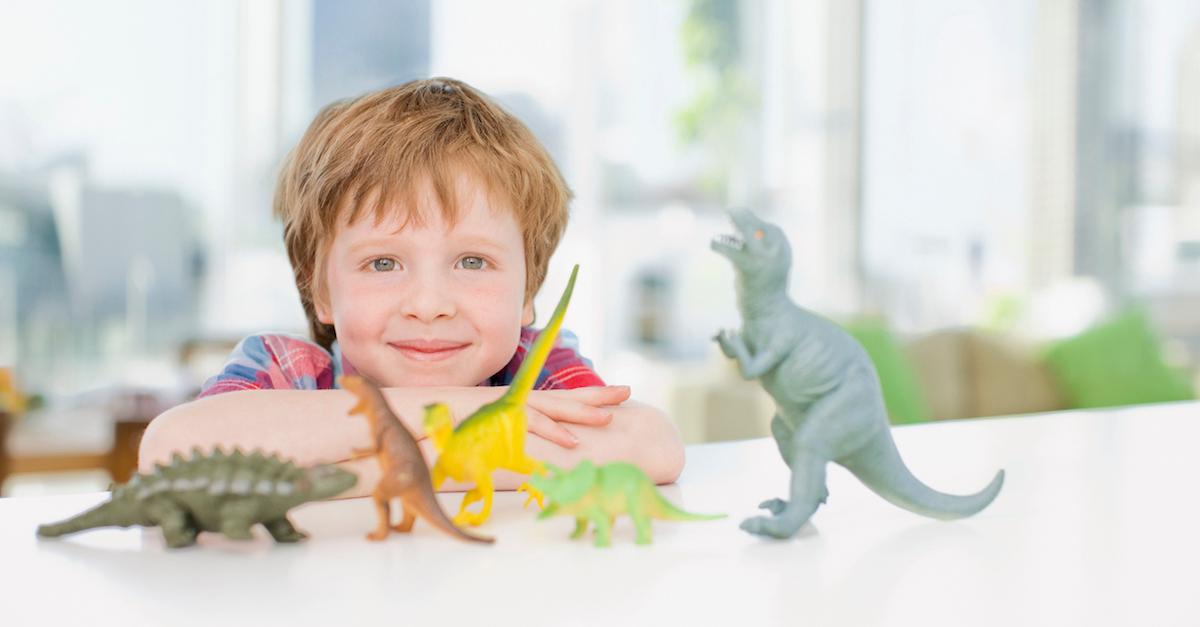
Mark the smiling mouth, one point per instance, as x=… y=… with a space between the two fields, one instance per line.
x=429 y=350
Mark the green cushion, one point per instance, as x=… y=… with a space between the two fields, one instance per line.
x=1116 y=363
x=902 y=394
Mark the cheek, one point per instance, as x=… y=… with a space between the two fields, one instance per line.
x=496 y=311
x=357 y=314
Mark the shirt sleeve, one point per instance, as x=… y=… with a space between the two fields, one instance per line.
x=273 y=362
x=565 y=368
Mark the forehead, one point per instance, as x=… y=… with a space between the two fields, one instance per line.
x=458 y=200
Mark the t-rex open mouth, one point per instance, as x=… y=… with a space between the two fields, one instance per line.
x=730 y=241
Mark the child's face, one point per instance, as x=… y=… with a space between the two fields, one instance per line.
x=432 y=305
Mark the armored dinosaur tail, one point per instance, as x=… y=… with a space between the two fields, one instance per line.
x=527 y=374
x=878 y=465
x=426 y=504
x=663 y=509
x=103 y=515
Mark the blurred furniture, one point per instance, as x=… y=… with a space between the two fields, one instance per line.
x=1095 y=526
x=959 y=373
x=106 y=436
x=102 y=438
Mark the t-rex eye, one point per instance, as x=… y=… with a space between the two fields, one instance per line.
x=759 y=234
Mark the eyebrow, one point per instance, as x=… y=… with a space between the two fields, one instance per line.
x=470 y=240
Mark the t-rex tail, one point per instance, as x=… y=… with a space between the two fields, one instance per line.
x=103 y=515
x=527 y=374
x=663 y=509
x=428 y=508
x=878 y=465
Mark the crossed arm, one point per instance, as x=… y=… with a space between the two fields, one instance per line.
x=312 y=426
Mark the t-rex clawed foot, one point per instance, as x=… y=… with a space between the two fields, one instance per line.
x=774 y=526
x=775 y=506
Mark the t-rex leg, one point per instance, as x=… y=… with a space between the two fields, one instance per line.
x=784 y=435
x=784 y=439
x=807 y=493
x=581 y=524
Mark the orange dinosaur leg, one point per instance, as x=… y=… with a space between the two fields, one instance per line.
x=384 y=512
x=410 y=517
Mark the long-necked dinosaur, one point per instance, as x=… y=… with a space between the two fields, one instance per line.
x=494 y=436
x=403 y=472
x=827 y=393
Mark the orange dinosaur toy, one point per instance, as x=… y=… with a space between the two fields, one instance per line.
x=404 y=473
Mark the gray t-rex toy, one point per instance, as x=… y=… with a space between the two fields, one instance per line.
x=827 y=395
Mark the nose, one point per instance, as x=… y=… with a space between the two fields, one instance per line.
x=428 y=298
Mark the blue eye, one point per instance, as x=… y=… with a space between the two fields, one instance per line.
x=383 y=264
x=472 y=263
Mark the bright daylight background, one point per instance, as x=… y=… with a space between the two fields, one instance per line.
x=1001 y=199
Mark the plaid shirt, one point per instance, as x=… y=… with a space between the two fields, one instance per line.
x=287 y=362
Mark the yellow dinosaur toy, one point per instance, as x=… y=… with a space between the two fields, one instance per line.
x=493 y=437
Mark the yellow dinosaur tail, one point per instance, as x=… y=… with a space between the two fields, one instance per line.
x=527 y=374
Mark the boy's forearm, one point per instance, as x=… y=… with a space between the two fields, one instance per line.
x=306 y=426
x=313 y=426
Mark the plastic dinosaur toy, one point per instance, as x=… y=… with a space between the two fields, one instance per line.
x=494 y=436
x=404 y=474
x=827 y=394
x=598 y=494
x=214 y=492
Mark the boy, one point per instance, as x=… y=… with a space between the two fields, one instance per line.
x=419 y=221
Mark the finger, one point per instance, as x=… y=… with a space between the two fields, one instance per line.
x=596 y=395
x=541 y=424
x=569 y=410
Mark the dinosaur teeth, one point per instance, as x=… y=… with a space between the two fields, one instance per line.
x=730 y=241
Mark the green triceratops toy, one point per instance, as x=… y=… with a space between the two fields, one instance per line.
x=598 y=494
x=214 y=492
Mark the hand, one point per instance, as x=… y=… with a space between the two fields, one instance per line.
x=545 y=409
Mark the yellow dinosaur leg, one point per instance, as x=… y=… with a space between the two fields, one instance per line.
x=483 y=490
x=485 y=487
x=437 y=476
x=463 y=515
x=528 y=466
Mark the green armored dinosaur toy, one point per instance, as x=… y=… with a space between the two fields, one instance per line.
x=215 y=492
x=826 y=391
x=598 y=494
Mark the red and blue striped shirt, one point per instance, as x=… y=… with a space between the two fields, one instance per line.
x=288 y=362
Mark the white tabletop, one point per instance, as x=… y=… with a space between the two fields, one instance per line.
x=1097 y=524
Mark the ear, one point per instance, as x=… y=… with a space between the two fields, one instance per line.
x=527 y=314
x=324 y=315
